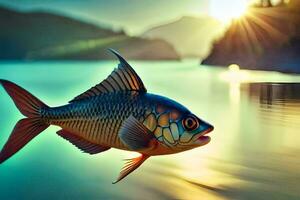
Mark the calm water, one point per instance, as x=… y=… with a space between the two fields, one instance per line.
x=254 y=152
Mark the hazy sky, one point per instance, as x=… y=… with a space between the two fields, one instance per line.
x=134 y=15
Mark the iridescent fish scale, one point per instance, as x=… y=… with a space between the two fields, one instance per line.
x=99 y=118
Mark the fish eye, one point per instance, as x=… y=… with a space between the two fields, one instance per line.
x=190 y=123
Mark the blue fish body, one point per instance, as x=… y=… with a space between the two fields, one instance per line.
x=116 y=113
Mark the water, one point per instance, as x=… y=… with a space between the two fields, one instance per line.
x=254 y=152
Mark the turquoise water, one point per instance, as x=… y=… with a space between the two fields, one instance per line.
x=254 y=152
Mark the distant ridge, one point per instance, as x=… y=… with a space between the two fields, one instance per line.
x=41 y=35
x=191 y=36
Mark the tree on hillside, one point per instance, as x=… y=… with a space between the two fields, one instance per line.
x=266 y=3
x=263 y=3
x=281 y=3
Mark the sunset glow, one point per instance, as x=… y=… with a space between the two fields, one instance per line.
x=225 y=11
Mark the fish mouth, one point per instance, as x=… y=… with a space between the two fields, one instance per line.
x=210 y=129
x=202 y=138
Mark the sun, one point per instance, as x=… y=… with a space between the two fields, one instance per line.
x=226 y=10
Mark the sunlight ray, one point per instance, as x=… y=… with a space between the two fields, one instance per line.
x=231 y=42
x=245 y=37
x=274 y=13
x=271 y=31
x=252 y=36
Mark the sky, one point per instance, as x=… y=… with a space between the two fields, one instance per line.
x=134 y=16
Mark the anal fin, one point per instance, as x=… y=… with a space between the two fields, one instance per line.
x=131 y=165
x=82 y=144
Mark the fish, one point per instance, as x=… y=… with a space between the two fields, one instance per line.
x=116 y=113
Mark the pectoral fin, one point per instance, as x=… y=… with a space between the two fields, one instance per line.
x=130 y=166
x=135 y=135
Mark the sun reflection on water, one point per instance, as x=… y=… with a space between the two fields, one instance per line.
x=234 y=76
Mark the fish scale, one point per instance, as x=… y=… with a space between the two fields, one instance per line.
x=108 y=111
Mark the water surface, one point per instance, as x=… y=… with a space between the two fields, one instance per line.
x=254 y=152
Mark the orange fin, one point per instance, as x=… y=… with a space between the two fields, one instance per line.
x=131 y=165
x=82 y=144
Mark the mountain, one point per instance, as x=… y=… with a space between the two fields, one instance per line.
x=264 y=39
x=191 y=36
x=41 y=35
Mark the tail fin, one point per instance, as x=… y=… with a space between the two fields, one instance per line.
x=25 y=129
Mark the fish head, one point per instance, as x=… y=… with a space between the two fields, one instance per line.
x=176 y=127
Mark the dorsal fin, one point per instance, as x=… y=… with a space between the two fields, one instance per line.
x=123 y=78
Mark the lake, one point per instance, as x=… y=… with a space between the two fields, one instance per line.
x=254 y=152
